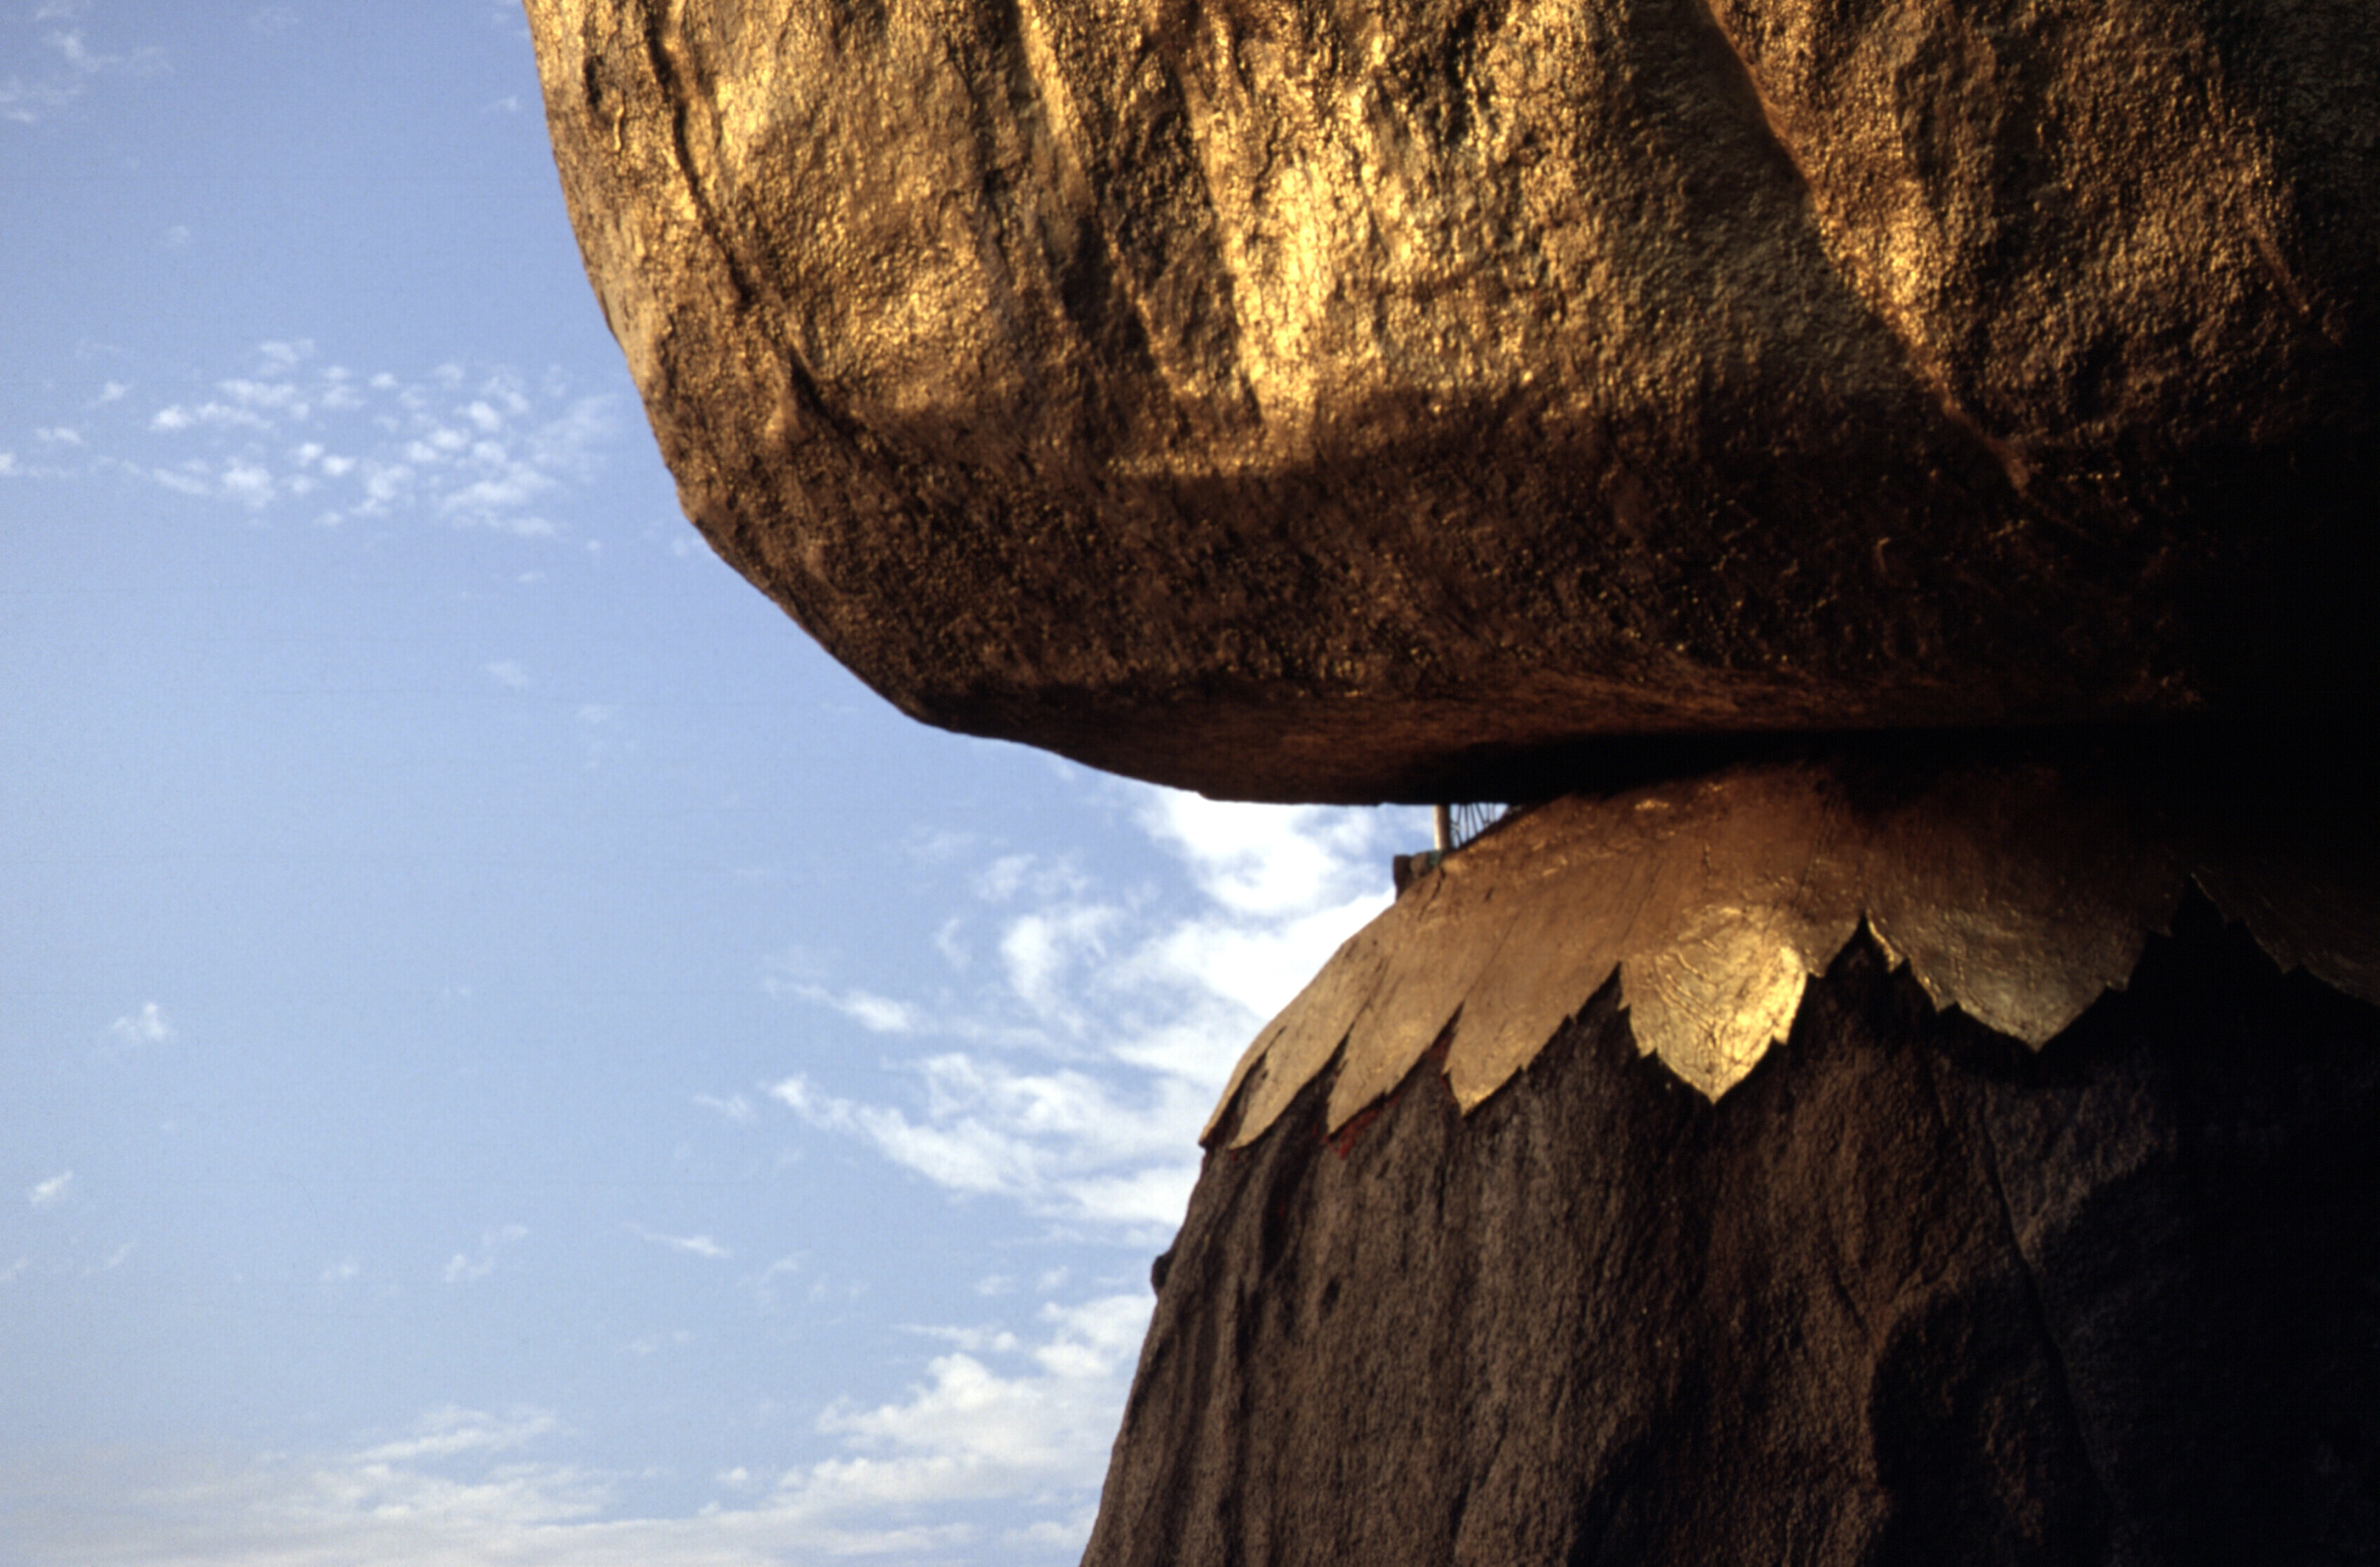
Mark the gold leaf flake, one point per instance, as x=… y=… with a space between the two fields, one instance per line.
x=2018 y=893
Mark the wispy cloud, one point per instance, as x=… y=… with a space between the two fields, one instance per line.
x=763 y=1284
x=877 y=1014
x=452 y=1431
x=476 y=446
x=692 y=1245
x=736 y=1108
x=147 y=1026
x=52 y=1192
x=469 y=1268
x=70 y=62
x=1136 y=1004
x=1023 y=1418
x=972 y=1429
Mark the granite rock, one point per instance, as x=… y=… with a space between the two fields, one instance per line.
x=1910 y=1293
x=1366 y=399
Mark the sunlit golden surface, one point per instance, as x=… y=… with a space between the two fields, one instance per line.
x=2015 y=892
x=1342 y=400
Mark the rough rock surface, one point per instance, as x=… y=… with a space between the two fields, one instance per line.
x=1911 y=1294
x=1356 y=399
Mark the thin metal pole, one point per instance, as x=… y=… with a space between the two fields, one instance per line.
x=1441 y=821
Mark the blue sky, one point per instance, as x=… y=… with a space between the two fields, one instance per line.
x=507 y=1053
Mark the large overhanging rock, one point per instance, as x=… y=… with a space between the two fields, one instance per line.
x=1318 y=400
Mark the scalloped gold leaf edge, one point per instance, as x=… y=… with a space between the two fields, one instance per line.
x=2004 y=892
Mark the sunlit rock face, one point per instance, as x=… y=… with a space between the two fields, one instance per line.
x=1314 y=399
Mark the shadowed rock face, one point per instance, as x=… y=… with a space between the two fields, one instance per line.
x=1306 y=399
x=1910 y=1293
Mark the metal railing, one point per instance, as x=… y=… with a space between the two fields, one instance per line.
x=1452 y=826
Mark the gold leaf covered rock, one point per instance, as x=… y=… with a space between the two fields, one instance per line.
x=1340 y=400
x=2017 y=892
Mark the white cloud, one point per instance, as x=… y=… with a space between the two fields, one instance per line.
x=1064 y=1142
x=466 y=1268
x=1270 y=861
x=1147 y=999
x=509 y=674
x=763 y=1284
x=970 y=1432
x=8 y=468
x=88 y=61
x=692 y=1245
x=1040 y=947
x=75 y=64
x=29 y=102
x=1006 y=1416
x=452 y=1431
x=281 y=396
x=148 y=1027
x=178 y=416
x=473 y=445
x=877 y=1014
x=736 y=1108
x=52 y=1192
x=248 y=483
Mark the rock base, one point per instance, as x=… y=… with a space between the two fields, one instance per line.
x=1910 y=1293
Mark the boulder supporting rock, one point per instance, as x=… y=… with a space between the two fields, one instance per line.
x=1910 y=1293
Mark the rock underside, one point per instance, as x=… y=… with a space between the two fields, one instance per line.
x=1910 y=1293
x=1301 y=399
